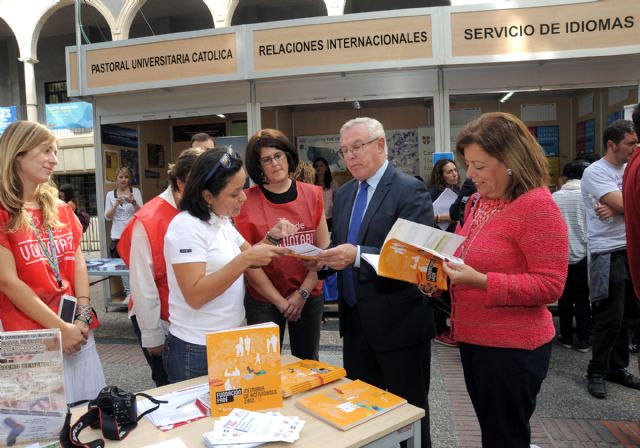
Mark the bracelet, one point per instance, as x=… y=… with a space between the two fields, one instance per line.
x=272 y=240
x=84 y=312
x=83 y=297
x=84 y=321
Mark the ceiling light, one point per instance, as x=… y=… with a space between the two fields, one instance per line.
x=506 y=96
x=221 y=115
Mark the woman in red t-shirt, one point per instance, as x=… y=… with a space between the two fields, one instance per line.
x=270 y=161
x=40 y=255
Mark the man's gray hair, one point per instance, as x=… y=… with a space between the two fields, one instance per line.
x=374 y=127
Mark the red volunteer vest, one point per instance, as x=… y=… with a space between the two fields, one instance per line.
x=258 y=215
x=32 y=266
x=155 y=216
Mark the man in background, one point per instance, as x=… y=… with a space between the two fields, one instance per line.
x=631 y=196
x=386 y=324
x=203 y=140
x=575 y=297
x=611 y=292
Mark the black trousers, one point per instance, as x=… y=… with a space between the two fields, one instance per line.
x=158 y=374
x=575 y=302
x=612 y=318
x=405 y=371
x=503 y=384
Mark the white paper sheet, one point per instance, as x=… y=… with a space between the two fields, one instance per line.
x=442 y=205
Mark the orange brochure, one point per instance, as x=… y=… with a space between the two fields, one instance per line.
x=414 y=253
x=349 y=404
x=306 y=374
x=244 y=368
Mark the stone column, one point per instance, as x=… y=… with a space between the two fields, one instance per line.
x=30 y=88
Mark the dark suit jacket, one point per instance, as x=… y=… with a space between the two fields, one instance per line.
x=394 y=313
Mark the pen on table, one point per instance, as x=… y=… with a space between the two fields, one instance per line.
x=181 y=405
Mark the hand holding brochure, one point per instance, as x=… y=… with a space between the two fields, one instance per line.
x=304 y=251
x=414 y=253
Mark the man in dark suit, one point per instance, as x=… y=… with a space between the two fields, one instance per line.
x=386 y=324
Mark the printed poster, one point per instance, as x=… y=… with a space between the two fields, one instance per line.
x=310 y=147
x=32 y=398
x=111 y=165
x=402 y=145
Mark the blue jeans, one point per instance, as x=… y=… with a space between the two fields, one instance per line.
x=182 y=360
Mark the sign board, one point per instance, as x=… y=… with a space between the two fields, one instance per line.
x=165 y=60
x=76 y=115
x=353 y=42
x=516 y=31
x=7 y=116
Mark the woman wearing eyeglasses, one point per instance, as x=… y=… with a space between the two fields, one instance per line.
x=270 y=161
x=206 y=261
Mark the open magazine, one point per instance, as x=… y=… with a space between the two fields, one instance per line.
x=414 y=253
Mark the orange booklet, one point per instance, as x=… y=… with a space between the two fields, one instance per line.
x=350 y=404
x=306 y=374
x=244 y=368
x=414 y=253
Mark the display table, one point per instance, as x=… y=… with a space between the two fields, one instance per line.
x=402 y=423
x=106 y=268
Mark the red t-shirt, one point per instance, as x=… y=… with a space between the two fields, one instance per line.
x=258 y=215
x=32 y=266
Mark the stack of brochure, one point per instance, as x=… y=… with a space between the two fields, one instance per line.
x=252 y=429
x=306 y=374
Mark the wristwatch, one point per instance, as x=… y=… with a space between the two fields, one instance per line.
x=304 y=293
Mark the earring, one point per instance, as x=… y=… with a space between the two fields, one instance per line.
x=509 y=172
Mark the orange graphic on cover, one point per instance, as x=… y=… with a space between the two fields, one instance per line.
x=244 y=368
x=350 y=404
x=402 y=261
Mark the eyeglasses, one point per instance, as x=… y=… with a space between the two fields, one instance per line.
x=355 y=148
x=277 y=158
x=225 y=162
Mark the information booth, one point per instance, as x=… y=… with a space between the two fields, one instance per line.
x=570 y=67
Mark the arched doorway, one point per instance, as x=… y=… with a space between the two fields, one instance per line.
x=11 y=74
x=355 y=6
x=257 y=11
x=169 y=16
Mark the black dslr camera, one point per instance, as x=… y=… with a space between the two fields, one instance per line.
x=118 y=404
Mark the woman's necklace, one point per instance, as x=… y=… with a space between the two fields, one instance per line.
x=482 y=214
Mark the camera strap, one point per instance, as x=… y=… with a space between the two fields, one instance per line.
x=97 y=418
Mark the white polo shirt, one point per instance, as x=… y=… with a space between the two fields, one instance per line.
x=215 y=242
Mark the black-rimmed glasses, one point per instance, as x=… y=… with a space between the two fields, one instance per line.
x=276 y=158
x=355 y=148
x=225 y=162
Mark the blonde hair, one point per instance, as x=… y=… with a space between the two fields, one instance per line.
x=126 y=170
x=19 y=138
x=305 y=172
x=508 y=139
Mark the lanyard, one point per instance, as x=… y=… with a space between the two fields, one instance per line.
x=52 y=257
